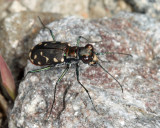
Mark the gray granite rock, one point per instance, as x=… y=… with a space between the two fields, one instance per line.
x=3 y=8
x=86 y=8
x=148 y=7
x=65 y=7
x=138 y=106
x=101 y=8
x=17 y=33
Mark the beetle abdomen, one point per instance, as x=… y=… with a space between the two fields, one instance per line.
x=48 y=53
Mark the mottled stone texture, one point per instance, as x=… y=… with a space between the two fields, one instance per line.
x=84 y=8
x=138 y=106
x=148 y=7
x=16 y=37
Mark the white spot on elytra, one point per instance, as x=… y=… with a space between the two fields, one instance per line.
x=55 y=60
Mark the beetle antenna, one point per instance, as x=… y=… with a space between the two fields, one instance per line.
x=103 y=53
x=111 y=76
x=44 y=27
x=81 y=37
x=41 y=22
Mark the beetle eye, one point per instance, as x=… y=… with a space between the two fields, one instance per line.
x=86 y=58
x=89 y=46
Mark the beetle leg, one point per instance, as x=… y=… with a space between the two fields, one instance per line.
x=77 y=73
x=38 y=70
x=47 y=28
x=64 y=103
x=59 y=79
x=79 y=38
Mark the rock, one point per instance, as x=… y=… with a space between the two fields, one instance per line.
x=16 y=6
x=3 y=8
x=17 y=32
x=86 y=9
x=138 y=106
x=67 y=7
x=148 y=7
x=101 y=8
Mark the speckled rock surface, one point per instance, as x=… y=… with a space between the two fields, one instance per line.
x=3 y=8
x=17 y=32
x=138 y=106
x=101 y=8
x=83 y=8
x=149 y=7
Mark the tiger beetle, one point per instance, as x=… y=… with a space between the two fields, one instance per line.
x=51 y=53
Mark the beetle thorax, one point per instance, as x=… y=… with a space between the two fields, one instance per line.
x=71 y=53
